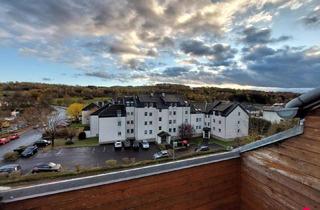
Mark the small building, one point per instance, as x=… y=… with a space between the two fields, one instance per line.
x=270 y=114
x=86 y=111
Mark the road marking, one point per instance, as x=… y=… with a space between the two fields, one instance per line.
x=59 y=152
x=104 y=148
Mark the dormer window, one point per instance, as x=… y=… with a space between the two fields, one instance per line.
x=119 y=113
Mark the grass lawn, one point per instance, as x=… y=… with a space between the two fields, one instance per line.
x=89 y=142
x=224 y=144
x=77 y=125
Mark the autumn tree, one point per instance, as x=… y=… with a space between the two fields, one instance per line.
x=74 y=110
x=186 y=131
x=51 y=129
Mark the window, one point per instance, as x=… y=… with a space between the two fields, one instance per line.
x=197 y=119
x=170 y=130
x=186 y=120
x=214 y=120
x=214 y=128
x=150 y=131
x=119 y=133
x=145 y=123
x=160 y=110
x=174 y=129
x=174 y=121
x=238 y=130
x=131 y=130
x=119 y=123
x=128 y=122
x=239 y=113
x=170 y=113
x=160 y=119
x=186 y=112
x=208 y=124
x=238 y=122
x=131 y=121
x=128 y=130
x=128 y=113
x=150 y=114
x=131 y=113
x=219 y=130
x=199 y=127
x=219 y=121
x=145 y=132
x=160 y=128
x=150 y=122
x=146 y=114
x=170 y=121
x=174 y=113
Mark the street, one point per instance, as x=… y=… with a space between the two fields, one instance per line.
x=27 y=138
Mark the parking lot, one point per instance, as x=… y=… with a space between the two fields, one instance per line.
x=86 y=157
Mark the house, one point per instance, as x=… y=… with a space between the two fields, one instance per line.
x=270 y=114
x=86 y=111
x=157 y=117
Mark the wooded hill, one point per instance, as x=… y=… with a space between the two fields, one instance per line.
x=29 y=93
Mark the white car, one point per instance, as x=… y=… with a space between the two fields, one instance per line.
x=161 y=154
x=145 y=144
x=118 y=145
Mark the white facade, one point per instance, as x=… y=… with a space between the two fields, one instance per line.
x=85 y=117
x=146 y=122
x=271 y=116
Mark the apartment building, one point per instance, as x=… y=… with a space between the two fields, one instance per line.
x=157 y=117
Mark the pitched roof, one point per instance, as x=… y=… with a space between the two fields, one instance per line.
x=113 y=111
x=90 y=107
x=163 y=133
x=101 y=109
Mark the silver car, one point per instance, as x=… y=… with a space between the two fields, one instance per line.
x=46 y=167
x=145 y=144
x=161 y=154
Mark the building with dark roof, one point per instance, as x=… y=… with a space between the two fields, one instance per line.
x=144 y=116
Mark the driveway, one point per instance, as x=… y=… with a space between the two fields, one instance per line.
x=86 y=157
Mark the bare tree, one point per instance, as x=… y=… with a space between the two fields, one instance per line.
x=186 y=131
x=51 y=129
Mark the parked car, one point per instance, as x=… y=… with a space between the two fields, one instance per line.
x=127 y=144
x=4 y=140
x=180 y=144
x=135 y=146
x=42 y=143
x=11 y=168
x=29 y=151
x=161 y=154
x=46 y=167
x=14 y=136
x=202 y=148
x=145 y=144
x=118 y=145
x=20 y=149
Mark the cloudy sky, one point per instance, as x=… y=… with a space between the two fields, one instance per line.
x=258 y=44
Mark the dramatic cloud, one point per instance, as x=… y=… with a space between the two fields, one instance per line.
x=195 y=42
x=252 y=35
x=313 y=18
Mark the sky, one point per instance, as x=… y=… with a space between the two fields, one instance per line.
x=246 y=44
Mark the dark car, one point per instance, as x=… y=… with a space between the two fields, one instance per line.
x=29 y=151
x=11 y=168
x=135 y=146
x=20 y=149
x=42 y=143
x=127 y=144
x=202 y=148
x=46 y=167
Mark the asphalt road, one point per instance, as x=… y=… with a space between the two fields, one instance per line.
x=27 y=138
x=86 y=157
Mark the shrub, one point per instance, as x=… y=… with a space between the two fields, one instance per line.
x=69 y=142
x=82 y=136
x=111 y=163
x=162 y=146
x=11 y=156
x=128 y=161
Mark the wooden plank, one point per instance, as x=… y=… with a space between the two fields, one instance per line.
x=295 y=153
x=312 y=121
x=289 y=181
x=303 y=144
x=289 y=195
x=270 y=195
x=311 y=134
